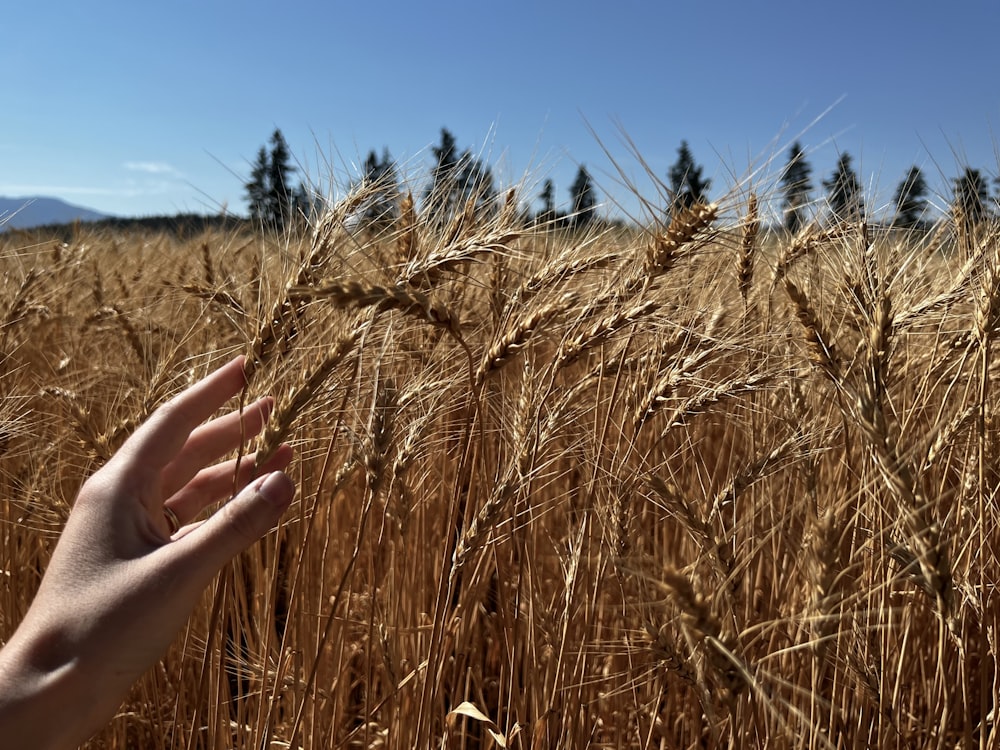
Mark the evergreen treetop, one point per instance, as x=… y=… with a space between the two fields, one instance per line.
x=270 y=196
x=844 y=191
x=911 y=200
x=687 y=186
x=795 y=188
x=457 y=178
x=584 y=197
x=971 y=196
x=382 y=183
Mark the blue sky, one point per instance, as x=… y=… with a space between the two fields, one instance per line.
x=137 y=108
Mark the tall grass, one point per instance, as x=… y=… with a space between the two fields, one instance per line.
x=699 y=485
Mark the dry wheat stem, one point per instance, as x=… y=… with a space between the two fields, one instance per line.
x=664 y=248
x=19 y=303
x=516 y=337
x=362 y=294
x=922 y=535
x=572 y=349
x=701 y=402
x=83 y=419
x=821 y=346
x=701 y=629
x=407 y=238
x=565 y=268
x=426 y=272
x=663 y=388
x=215 y=296
x=748 y=249
x=281 y=421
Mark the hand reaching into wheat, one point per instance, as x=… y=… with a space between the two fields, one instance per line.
x=126 y=572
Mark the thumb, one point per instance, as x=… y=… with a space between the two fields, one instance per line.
x=239 y=523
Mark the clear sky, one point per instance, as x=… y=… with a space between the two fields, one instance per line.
x=137 y=108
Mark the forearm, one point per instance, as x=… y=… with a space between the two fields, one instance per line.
x=49 y=708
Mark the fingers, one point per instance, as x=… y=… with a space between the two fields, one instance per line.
x=211 y=441
x=238 y=524
x=160 y=439
x=217 y=482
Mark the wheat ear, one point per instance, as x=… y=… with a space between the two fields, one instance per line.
x=516 y=337
x=748 y=247
x=664 y=248
x=822 y=349
x=283 y=418
x=407 y=237
x=360 y=294
x=599 y=331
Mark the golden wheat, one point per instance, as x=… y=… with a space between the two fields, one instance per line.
x=594 y=483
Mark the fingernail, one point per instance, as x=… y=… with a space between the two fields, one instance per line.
x=276 y=488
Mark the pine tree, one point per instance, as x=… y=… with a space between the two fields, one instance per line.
x=911 y=200
x=844 y=192
x=584 y=198
x=687 y=186
x=476 y=183
x=280 y=192
x=548 y=198
x=971 y=195
x=256 y=187
x=795 y=186
x=457 y=178
x=270 y=195
x=381 y=180
x=441 y=193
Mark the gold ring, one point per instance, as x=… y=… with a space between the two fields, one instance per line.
x=172 y=520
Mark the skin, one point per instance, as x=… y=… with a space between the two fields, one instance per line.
x=119 y=586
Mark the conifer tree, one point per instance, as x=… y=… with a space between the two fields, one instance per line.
x=280 y=192
x=584 y=198
x=256 y=187
x=270 y=195
x=844 y=191
x=456 y=178
x=548 y=198
x=687 y=186
x=476 y=183
x=971 y=195
x=440 y=193
x=911 y=200
x=795 y=187
x=381 y=179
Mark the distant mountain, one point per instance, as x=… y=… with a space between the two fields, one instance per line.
x=24 y=213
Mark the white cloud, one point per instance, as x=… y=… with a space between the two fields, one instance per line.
x=151 y=167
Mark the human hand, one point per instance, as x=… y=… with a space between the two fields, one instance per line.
x=122 y=582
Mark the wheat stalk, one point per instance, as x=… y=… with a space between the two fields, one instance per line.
x=362 y=294
x=573 y=348
x=516 y=337
x=288 y=409
x=664 y=387
x=665 y=248
x=407 y=237
x=821 y=346
x=748 y=248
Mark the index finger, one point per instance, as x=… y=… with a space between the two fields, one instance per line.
x=163 y=435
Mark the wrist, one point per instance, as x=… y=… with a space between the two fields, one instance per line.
x=42 y=705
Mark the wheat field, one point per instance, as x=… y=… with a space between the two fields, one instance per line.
x=695 y=485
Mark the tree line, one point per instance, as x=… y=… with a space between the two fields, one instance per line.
x=971 y=204
x=459 y=178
